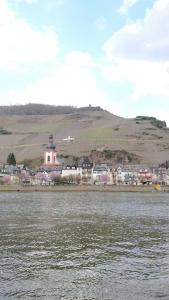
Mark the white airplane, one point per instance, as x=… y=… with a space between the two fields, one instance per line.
x=68 y=139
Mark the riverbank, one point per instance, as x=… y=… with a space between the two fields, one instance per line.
x=80 y=188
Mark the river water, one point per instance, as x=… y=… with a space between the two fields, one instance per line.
x=84 y=246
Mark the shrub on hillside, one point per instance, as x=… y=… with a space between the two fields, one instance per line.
x=108 y=153
x=155 y=122
x=4 y=131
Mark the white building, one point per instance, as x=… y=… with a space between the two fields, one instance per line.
x=71 y=170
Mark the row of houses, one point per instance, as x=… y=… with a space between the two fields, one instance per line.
x=88 y=173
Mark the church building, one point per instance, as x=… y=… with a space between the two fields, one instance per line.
x=51 y=154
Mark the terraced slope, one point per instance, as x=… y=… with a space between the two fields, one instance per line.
x=92 y=130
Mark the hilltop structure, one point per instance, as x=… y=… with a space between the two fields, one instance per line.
x=51 y=154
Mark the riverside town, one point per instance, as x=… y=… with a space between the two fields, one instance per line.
x=55 y=171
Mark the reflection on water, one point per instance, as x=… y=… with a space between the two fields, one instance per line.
x=84 y=246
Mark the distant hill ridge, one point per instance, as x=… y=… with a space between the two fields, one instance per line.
x=43 y=109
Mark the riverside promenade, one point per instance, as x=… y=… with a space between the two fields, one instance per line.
x=81 y=188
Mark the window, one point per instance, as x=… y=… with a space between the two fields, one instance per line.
x=48 y=158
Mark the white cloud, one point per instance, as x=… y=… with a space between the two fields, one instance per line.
x=22 y=44
x=144 y=39
x=72 y=84
x=147 y=78
x=139 y=53
x=126 y=5
x=69 y=83
x=79 y=59
x=5 y=13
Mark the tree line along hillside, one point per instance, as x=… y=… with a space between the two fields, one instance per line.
x=155 y=122
x=43 y=109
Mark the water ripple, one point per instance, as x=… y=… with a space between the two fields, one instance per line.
x=84 y=246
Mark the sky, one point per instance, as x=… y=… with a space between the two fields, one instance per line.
x=111 y=53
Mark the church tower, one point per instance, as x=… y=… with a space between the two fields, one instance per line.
x=51 y=154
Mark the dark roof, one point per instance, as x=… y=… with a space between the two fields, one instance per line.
x=100 y=168
x=51 y=146
x=87 y=164
x=70 y=167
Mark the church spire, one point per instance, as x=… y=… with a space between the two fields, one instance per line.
x=51 y=145
x=50 y=153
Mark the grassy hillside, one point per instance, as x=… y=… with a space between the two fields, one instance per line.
x=94 y=129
